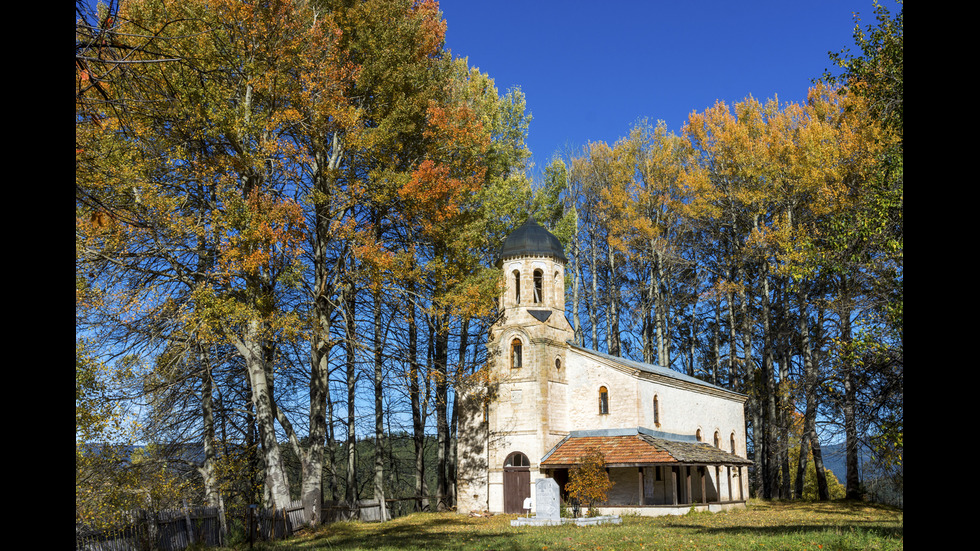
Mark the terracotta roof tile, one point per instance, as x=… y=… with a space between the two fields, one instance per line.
x=638 y=449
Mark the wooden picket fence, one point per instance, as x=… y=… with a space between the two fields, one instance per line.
x=178 y=529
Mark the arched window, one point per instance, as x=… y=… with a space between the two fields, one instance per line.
x=698 y=435
x=516 y=359
x=557 y=364
x=717 y=440
x=538 y=294
x=517 y=286
x=603 y=400
x=557 y=288
x=517 y=459
x=733 y=442
x=656 y=411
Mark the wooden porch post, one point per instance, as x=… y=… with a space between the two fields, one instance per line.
x=687 y=483
x=717 y=484
x=703 y=473
x=741 y=485
x=673 y=483
x=639 y=478
x=729 y=482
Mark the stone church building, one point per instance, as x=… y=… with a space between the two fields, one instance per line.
x=670 y=441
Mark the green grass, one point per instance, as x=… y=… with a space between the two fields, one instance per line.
x=763 y=525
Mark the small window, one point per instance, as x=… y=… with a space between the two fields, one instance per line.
x=516 y=359
x=517 y=286
x=538 y=286
x=603 y=400
x=698 y=434
x=656 y=411
x=733 y=442
x=557 y=364
x=557 y=288
x=717 y=440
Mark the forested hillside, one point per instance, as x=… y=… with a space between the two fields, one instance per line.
x=287 y=215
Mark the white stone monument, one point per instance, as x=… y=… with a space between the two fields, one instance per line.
x=547 y=499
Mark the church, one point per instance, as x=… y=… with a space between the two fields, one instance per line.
x=670 y=441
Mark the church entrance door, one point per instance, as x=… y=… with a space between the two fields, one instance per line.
x=517 y=482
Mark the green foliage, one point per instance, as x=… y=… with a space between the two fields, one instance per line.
x=93 y=413
x=810 y=491
x=553 y=205
x=872 y=235
x=878 y=71
x=114 y=479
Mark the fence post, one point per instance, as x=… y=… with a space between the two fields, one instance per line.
x=190 y=526
x=250 y=529
x=223 y=524
x=153 y=526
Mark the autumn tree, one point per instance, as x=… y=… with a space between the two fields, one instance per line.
x=199 y=201
x=713 y=238
x=588 y=481
x=868 y=242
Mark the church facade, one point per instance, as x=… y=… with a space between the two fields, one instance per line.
x=670 y=441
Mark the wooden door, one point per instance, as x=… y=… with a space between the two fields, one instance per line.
x=517 y=488
x=517 y=482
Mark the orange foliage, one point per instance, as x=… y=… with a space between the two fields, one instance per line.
x=588 y=481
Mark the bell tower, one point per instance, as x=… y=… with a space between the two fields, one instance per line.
x=527 y=412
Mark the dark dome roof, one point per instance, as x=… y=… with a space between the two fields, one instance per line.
x=532 y=239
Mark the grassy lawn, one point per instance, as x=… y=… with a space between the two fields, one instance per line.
x=763 y=525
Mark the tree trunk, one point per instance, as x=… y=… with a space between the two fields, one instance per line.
x=850 y=397
x=716 y=336
x=749 y=377
x=211 y=492
x=809 y=396
x=576 y=281
x=663 y=341
x=320 y=453
x=442 y=405
x=692 y=328
x=313 y=464
x=770 y=451
x=648 y=335
x=594 y=298
x=350 y=347
x=612 y=306
x=454 y=419
x=735 y=375
x=251 y=349
x=418 y=417
x=379 y=435
x=810 y=442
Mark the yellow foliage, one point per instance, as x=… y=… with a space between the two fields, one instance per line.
x=588 y=481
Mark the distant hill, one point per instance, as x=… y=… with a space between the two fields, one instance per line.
x=880 y=491
x=835 y=460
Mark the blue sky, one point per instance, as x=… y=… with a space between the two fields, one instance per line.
x=590 y=70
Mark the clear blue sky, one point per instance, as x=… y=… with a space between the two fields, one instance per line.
x=590 y=70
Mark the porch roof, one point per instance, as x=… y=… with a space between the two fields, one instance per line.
x=638 y=448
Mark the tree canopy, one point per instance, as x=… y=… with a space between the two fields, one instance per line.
x=287 y=216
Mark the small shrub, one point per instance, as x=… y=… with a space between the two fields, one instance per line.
x=588 y=482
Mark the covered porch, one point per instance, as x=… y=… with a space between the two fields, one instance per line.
x=655 y=473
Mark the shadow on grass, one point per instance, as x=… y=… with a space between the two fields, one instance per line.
x=790 y=524
x=853 y=518
x=877 y=531
x=420 y=531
